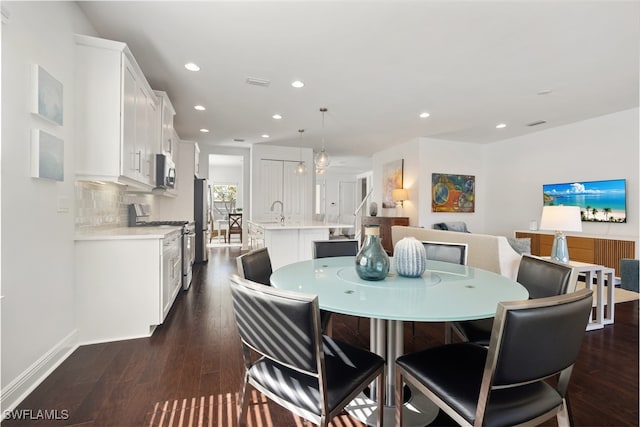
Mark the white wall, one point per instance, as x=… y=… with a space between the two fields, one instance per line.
x=604 y=147
x=510 y=174
x=410 y=152
x=459 y=158
x=38 y=323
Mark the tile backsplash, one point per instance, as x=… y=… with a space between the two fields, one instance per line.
x=104 y=204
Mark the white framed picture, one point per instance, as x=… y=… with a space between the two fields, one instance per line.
x=47 y=96
x=47 y=156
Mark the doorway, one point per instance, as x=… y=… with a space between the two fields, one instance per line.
x=226 y=186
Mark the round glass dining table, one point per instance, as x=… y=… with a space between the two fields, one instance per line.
x=445 y=292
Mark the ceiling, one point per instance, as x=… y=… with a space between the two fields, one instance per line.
x=375 y=65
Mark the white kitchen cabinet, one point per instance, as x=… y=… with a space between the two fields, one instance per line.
x=125 y=285
x=181 y=206
x=167 y=113
x=171 y=271
x=278 y=181
x=118 y=117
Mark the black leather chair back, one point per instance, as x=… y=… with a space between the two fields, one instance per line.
x=538 y=338
x=543 y=278
x=255 y=265
x=331 y=248
x=283 y=326
x=455 y=253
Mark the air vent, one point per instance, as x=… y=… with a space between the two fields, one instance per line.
x=238 y=140
x=539 y=122
x=258 y=82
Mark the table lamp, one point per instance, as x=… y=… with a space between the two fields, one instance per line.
x=399 y=195
x=560 y=219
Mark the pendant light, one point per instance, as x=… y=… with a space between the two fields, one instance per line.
x=301 y=167
x=321 y=158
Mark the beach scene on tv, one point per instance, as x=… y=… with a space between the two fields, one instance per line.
x=599 y=201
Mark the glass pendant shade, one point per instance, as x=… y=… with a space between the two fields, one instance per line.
x=322 y=159
x=301 y=168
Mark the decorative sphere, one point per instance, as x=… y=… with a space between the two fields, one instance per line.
x=410 y=257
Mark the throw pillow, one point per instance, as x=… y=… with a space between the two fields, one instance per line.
x=521 y=245
x=459 y=226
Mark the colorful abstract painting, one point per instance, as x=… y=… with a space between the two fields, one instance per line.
x=453 y=193
x=391 y=179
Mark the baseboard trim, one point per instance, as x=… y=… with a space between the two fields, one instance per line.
x=18 y=389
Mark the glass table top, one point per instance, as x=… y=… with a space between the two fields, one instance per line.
x=444 y=292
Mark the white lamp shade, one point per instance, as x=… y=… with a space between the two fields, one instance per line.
x=561 y=218
x=400 y=195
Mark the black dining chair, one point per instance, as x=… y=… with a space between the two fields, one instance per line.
x=506 y=383
x=333 y=248
x=310 y=374
x=541 y=277
x=255 y=265
x=446 y=251
x=455 y=253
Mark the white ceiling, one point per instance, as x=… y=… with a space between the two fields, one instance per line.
x=375 y=65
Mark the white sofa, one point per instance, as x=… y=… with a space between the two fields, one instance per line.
x=492 y=253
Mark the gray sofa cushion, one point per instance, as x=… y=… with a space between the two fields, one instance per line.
x=459 y=226
x=521 y=245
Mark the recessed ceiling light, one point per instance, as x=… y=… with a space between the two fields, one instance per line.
x=191 y=66
x=203 y=130
x=424 y=115
x=199 y=107
x=264 y=135
x=277 y=116
x=501 y=126
x=297 y=84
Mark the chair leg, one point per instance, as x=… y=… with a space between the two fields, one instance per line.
x=564 y=416
x=381 y=399
x=244 y=403
x=399 y=397
x=447 y=333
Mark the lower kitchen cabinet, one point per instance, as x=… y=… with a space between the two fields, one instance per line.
x=125 y=287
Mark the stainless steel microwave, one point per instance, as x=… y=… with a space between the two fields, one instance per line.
x=165 y=172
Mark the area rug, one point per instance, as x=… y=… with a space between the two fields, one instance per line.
x=619 y=295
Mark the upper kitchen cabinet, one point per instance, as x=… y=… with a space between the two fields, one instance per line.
x=274 y=179
x=168 y=141
x=118 y=126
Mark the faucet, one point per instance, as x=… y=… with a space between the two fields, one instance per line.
x=273 y=205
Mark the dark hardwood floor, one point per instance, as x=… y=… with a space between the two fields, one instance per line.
x=190 y=371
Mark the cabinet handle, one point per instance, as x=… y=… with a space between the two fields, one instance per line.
x=139 y=154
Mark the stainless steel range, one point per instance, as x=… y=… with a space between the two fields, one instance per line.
x=138 y=217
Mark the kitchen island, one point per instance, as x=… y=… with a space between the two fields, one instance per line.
x=289 y=241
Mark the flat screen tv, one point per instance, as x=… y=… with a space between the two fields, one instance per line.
x=599 y=201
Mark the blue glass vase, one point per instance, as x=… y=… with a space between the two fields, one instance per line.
x=372 y=262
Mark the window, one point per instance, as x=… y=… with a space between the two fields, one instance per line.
x=224 y=192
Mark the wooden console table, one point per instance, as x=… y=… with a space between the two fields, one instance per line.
x=385 y=223
x=592 y=250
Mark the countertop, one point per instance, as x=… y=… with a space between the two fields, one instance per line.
x=127 y=233
x=297 y=225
